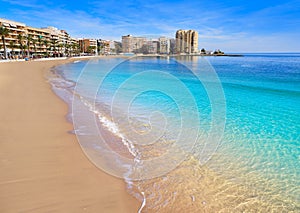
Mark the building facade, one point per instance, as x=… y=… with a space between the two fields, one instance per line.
x=105 y=47
x=60 y=41
x=126 y=44
x=131 y=44
x=152 y=46
x=37 y=40
x=12 y=41
x=25 y=40
x=187 y=41
x=87 y=45
x=164 y=45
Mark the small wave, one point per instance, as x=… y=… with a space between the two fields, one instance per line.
x=143 y=203
x=61 y=83
x=57 y=80
x=65 y=89
x=113 y=128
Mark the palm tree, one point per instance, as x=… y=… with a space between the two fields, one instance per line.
x=34 y=45
x=54 y=46
x=12 y=45
x=24 y=48
x=4 y=32
x=46 y=45
x=75 y=48
x=91 y=49
x=20 y=41
x=67 y=49
x=54 y=43
x=40 y=42
x=29 y=40
x=60 y=47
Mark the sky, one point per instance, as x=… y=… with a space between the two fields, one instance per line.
x=229 y=25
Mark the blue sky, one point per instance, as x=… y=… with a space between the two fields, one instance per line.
x=231 y=25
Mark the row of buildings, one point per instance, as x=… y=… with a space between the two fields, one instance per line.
x=100 y=46
x=185 y=42
x=28 y=40
x=22 y=40
x=162 y=45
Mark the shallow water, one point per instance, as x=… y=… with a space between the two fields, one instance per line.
x=156 y=122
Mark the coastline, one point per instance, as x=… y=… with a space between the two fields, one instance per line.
x=43 y=167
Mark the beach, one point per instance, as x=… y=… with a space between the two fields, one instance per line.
x=43 y=168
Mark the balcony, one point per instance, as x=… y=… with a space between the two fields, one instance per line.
x=13 y=34
x=10 y=39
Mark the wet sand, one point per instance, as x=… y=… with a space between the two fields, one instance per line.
x=42 y=166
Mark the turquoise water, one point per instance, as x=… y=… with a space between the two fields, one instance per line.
x=232 y=140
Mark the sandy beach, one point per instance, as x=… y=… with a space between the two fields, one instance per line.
x=42 y=166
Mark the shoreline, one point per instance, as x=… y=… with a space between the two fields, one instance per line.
x=43 y=167
x=120 y=56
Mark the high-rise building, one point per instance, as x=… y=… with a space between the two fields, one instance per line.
x=126 y=44
x=132 y=44
x=164 y=45
x=152 y=46
x=187 y=41
x=172 y=46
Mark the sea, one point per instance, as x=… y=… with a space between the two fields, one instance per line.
x=191 y=133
